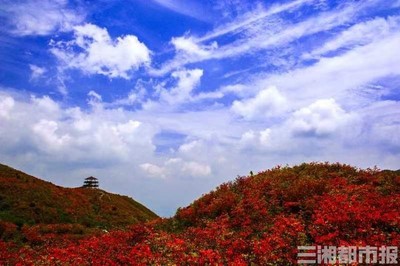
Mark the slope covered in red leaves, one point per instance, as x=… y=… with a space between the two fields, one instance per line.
x=257 y=220
x=26 y=200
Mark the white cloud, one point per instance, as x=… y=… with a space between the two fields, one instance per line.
x=196 y=169
x=153 y=170
x=267 y=103
x=360 y=34
x=256 y=32
x=341 y=77
x=248 y=137
x=135 y=96
x=100 y=54
x=94 y=98
x=265 y=137
x=6 y=105
x=189 y=47
x=47 y=138
x=243 y=22
x=188 y=8
x=190 y=147
x=321 y=118
x=190 y=168
x=320 y=131
x=72 y=135
x=388 y=135
x=37 y=72
x=277 y=35
x=187 y=81
x=177 y=167
x=383 y=121
x=256 y=139
x=29 y=18
x=45 y=104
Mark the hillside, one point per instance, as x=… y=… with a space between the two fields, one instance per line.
x=27 y=200
x=255 y=220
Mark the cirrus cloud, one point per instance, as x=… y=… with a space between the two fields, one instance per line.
x=27 y=18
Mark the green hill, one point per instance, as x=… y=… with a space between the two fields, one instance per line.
x=27 y=200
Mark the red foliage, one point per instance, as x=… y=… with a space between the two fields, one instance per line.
x=257 y=220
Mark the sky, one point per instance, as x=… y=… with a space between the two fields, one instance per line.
x=163 y=100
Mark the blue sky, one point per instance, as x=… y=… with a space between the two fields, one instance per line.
x=163 y=100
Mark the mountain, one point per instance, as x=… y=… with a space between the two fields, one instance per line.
x=256 y=220
x=295 y=191
x=27 y=200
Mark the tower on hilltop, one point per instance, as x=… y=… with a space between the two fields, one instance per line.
x=91 y=182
